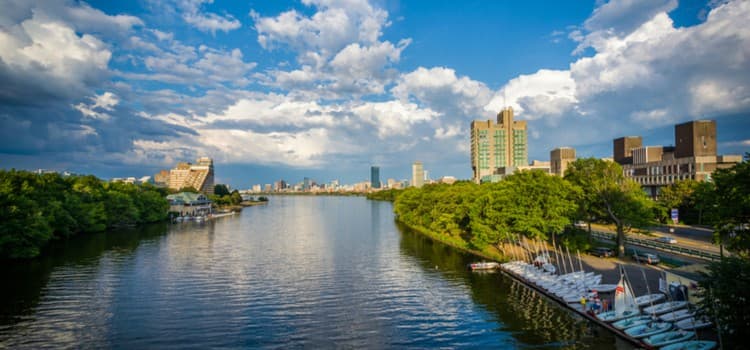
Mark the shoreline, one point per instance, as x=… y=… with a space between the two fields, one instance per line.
x=432 y=235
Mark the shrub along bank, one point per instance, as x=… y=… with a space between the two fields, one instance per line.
x=39 y=208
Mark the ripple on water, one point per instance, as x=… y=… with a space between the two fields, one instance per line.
x=302 y=272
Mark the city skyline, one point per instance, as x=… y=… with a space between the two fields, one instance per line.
x=324 y=89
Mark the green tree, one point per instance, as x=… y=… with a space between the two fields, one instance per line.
x=726 y=298
x=190 y=189
x=605 y=189
x=731 y=207
x=236 y=197
x=221 y=190
x=24 y=228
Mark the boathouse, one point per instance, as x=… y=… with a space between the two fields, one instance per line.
x=189 y=204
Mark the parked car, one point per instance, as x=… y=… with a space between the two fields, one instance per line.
x=646 y=258
x=602 y=252
x=666 y=239
x=581 y=225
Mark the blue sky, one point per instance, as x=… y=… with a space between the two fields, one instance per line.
x=326 y=88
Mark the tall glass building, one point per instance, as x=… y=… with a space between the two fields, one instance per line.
x=375 y=177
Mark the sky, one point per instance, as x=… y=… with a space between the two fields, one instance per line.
x=326 y=88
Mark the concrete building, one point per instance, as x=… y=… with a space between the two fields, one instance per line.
x=417 y=174
x=559 y=159
x=495 y=145
x=375 y=177
x=623 y=148
x=693 y=157
x=199 y=176
x=162 y=178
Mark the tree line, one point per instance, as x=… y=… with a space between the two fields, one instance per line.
x=38 y=208
x=535 y=205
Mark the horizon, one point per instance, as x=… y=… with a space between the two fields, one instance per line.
x=325 y=88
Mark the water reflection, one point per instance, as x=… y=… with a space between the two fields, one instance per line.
x=299 y=272
x=531 y=318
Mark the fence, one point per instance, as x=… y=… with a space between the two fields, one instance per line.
x=702 y=254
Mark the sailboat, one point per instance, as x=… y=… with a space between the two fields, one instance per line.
x=624 y=304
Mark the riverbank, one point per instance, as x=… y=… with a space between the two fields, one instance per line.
x=490 y=253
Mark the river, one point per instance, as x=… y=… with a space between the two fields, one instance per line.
x=300 y=272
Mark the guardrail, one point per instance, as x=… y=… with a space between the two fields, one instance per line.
x=701 y=254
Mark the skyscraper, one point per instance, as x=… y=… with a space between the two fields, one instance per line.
x=417 y=174
x=495 y=145
x=560 y=158
x=375 y=177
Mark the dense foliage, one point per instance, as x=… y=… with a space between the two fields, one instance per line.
x=607 y=196
x=40 y=208
x=531 y=204
x=730 y=207
x=227 y=198
x=384 y=195
x=726 y=299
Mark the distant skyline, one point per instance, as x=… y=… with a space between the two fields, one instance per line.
x=327 y=88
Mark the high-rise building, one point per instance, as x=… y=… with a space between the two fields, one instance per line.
x=693 y=157
x=375 y=177
x=623 y=148
x=560 y=158
x=417 y=174
x=199 y=176
x=495 y=145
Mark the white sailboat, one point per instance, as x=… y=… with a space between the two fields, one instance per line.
x=624 y=305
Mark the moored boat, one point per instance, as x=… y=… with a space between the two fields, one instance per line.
x=604 y=288
x=624 y=304
x=659 y=309
x=692 y=323
x=632 y=322
x=646 y=330
x=691 y=345
x=647 y=299
x=676 y=315
x=483 y=266
x=667 y=338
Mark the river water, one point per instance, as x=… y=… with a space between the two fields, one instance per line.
x=301 y=272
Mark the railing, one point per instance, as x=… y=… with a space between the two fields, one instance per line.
x=701 y=254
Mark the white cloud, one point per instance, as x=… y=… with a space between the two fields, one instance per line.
x=335 y=25
x=104 y=102
x=440 y=89
x=337 y=49
x=206 y=21
x=52 y=54
x=546 y=93
x=392 y=117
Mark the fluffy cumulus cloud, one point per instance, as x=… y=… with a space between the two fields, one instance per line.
x=338 y=48
x=441 y=89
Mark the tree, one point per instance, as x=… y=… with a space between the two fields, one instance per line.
x=236 y=197
x=606 y=190
x=221 y=190
x=190 y=189
x=726 y=298
x=731 y=207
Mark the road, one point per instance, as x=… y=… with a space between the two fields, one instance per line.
x=686 y=236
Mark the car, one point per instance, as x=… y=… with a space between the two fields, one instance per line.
x=646 y=258
x=581 y=225
x=666 y=239
x=602 y=252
